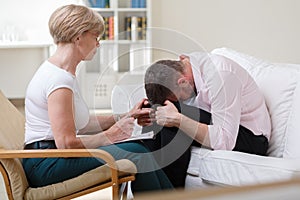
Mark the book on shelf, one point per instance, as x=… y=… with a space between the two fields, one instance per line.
x=105 y=34
x=99 y=3
x=135 y=28
x=138 y=3
x=127 y=28
x=109 y=28
x=144 y=28
x=107 y=5
x=139 y=28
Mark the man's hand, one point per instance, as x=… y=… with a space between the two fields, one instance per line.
x=143 y=112
x=168 y=115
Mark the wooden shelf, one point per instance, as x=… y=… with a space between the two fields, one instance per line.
x=23 y=44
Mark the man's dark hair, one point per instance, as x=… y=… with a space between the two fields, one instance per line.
x=161 y=79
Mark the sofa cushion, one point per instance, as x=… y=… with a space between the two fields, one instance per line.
x=234 y=168
x=279 y=86
x=292 y=149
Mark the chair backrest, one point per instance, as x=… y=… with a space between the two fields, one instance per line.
x=12 y=124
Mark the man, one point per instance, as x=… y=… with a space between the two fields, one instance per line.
x=232 y=113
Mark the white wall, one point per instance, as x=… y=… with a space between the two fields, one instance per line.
x=28 y=18
x=267 y=29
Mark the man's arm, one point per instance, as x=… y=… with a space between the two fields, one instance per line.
x=169 y=116
x=225 y=111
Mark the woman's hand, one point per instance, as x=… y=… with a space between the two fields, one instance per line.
x=168 y=115
x=121 y=130
x=143 y=113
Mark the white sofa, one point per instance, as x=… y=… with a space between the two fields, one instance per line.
x=280 y=84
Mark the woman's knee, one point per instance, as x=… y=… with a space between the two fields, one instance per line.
x=134 y=147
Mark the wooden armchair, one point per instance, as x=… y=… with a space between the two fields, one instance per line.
x=112 y=174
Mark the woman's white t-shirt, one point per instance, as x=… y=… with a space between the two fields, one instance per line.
x=47 y=79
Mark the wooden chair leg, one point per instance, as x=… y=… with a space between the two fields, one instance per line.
x=115 y=192
x=6 y=182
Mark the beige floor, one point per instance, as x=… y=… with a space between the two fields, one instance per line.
x=104 y=194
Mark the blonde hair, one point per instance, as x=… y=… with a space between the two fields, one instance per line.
x=69 y=21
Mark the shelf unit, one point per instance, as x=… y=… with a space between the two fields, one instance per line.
x=19 y=60
x=120 y=50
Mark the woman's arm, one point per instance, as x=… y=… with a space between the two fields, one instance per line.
x=99 y=123
x=61 y=115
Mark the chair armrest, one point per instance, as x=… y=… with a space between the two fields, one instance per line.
x=62 y=153
x=67 y=153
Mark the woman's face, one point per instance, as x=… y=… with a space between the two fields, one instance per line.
x=89 y=43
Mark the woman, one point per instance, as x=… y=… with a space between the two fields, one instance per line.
x=56 y=112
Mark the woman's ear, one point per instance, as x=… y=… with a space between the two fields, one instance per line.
x=76 y=39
